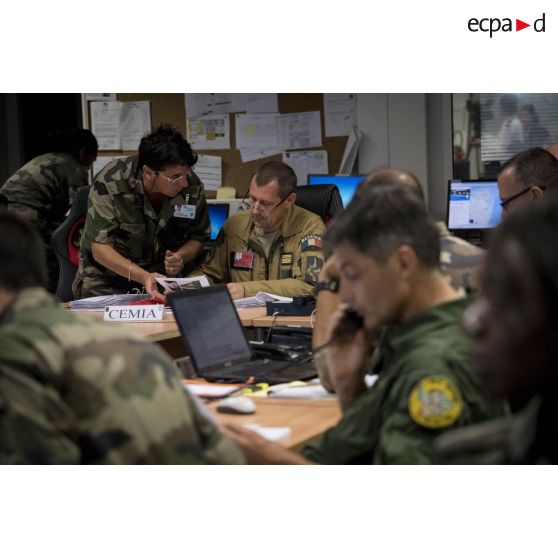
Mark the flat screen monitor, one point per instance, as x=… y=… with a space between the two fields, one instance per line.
x=473 y=204
x=218 y=214
x=346 y=184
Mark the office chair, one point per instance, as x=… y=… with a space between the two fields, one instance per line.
x=322 y=199
x=65 y=241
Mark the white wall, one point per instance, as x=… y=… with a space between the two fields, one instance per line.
x=409 y=131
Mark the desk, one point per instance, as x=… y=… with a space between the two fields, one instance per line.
x=166 y=333
x=307 y=418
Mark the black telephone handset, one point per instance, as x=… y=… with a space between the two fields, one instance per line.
x=350 y=323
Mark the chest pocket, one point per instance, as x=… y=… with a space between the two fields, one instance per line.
x=130 y=239
x=176 y=233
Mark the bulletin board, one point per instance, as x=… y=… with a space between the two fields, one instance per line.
x=170 y=108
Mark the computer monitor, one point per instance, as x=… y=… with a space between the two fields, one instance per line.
x=473 y=204
x=218 y=214
x=346 y=184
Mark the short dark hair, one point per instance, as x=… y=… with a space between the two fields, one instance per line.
x=383 y=218
x=165 y=147
x=535 y=166
x=72 y=141
x=391 y=175
x=275 y=170
x=22 y=256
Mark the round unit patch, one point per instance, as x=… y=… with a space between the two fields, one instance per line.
x=435 y=402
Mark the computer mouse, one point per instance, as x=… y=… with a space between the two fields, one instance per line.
x=237 y=406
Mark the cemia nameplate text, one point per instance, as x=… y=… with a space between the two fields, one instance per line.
x=142 y=313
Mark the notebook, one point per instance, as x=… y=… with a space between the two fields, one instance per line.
x=215 y=341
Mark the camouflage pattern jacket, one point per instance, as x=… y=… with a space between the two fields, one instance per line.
x=76 y=390
x=46 y=186
x=460 y=260
x=119 y=214
x=424 y=388
x=292 y=267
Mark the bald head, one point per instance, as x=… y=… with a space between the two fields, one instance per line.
x=389 y=175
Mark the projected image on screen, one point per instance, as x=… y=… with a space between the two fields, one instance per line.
x=346 y=184
x=473 y=205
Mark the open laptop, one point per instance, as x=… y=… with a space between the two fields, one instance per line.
x=213 y=335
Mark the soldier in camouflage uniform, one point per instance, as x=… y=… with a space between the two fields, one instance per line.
x=275 y=246
x=44 y=188
x=76 y=390
x=387 y=248
x=514 y=325
x=147 y=216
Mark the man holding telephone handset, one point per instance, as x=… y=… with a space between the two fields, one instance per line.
x=387 y=251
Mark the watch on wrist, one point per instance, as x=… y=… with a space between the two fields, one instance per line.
x=331 y=286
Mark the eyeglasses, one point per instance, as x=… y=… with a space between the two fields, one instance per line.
x=267 y=208
x=174 y=180
x=505 y=202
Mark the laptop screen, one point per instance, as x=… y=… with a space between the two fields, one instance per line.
x=210 y=327
x=473 y=204
x=218 y=214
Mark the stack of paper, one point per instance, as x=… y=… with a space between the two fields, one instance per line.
x=97 y=303
x=260 y=299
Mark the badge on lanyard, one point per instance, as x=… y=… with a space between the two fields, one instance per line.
x=186 y=211
x=243 y=259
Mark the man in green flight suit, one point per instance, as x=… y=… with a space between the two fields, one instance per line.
x=77 y=390
x=388 y=253
x=147 y=216
x=275 y=246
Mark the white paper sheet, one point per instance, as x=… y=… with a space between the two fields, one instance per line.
x=261 y=102
x=105 y=124
x=209 y=132
x=247 y=155
x=305 y=163
x=259 y=299
x=256 y=131
x=100 y=96
x=351 y=152
x=209 y=169
x=271 y=433
x=201 y=104
x=178 y=284
x=135 y=122
x=339 y=113
x=300 y=130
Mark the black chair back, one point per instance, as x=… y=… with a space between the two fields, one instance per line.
x=322 y=199
x=65 y=241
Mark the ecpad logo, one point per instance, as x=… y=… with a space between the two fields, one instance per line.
x=493 y=25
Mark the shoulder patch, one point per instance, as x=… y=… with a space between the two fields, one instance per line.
x=435 y=402
x=311 y=242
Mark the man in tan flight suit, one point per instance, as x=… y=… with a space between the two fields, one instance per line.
x=275 y=246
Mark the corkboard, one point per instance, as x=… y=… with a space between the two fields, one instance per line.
x=170 y=108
